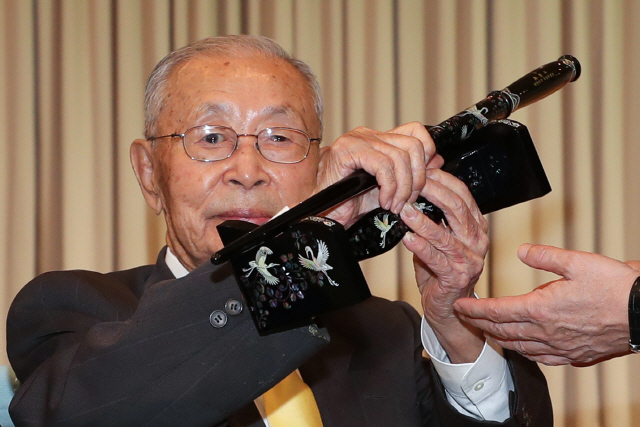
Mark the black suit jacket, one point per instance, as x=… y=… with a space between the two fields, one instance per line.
x=136 y=348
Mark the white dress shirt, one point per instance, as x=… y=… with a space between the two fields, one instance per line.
x=479 y=390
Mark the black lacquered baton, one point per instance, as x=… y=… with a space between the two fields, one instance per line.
x=499 y=104
x=448 y=137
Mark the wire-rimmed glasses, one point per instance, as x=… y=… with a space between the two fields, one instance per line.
x=211 y=143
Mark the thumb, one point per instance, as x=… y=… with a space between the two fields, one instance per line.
x=543 y=257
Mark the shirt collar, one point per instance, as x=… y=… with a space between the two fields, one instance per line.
x=175 y=265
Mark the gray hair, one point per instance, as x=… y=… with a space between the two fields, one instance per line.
x=232 y=45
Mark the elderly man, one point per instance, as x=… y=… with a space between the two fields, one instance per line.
x=136 y=347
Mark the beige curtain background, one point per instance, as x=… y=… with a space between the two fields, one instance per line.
x=72 y=74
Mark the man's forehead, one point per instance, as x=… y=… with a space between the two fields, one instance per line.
x=225 y=109
x=249 y=62
x=199 y=75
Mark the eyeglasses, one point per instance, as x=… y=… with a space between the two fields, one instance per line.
x=211 y=143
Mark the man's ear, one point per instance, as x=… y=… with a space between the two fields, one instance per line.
x=142 y=160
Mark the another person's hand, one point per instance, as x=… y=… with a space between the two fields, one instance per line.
x=398 y=159
x=448 y=261
x=580 y=319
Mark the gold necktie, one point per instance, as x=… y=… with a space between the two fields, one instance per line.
x=290 y=403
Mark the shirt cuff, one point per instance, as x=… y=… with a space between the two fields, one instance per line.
x=479 y=389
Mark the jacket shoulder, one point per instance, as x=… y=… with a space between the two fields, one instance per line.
x=63 y=303
x=45 y=287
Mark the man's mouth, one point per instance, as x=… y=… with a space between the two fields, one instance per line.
x=255 y=217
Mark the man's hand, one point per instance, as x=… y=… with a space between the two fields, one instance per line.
x=580 y=319
x=448 y=261
x=398 y=159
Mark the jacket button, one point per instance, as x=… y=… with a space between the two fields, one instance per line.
x=218 y=319
x=233 y=307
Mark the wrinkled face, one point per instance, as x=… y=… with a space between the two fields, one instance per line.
x=246 y=94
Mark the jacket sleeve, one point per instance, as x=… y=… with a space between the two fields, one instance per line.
x=90 y=353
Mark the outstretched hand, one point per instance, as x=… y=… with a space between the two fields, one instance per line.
x=579 y=319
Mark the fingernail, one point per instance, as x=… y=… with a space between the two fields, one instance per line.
x=523 y=249
x=410 y=237
x=409 y=211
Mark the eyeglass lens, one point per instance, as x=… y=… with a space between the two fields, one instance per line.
x=280 y=145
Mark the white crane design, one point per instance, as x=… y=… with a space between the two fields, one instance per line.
x=420 y=206
x=383 y=226
x=261 y=266
x=318 y=263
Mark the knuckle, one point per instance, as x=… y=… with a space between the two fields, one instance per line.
x=362 y=129
x=539 y=315
x=484 y=225
x=548 y=360
x=484 y=243
x=541 y=253
x=520 y=347
x=429 y=150
x=404 y=157
x=457 y=204
x=434 y=173
x=494 y=314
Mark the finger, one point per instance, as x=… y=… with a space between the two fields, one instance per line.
x=428 y=239
x=528 y=347
x=471 y=229
x=453 y=262
x=512 y=331
x=550 y=360
x=400 y=175
x=432 y=258
x=502 y=310
x=436 y=162
x=419 y=131
x=407 y=154
x=353 y=151
x=424 y=157
x=549 y=258
x=633 y=264
x=534 y=351
x=458 y=188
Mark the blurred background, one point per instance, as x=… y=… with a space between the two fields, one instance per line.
x=72 y=76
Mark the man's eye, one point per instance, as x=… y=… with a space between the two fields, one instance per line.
x=278 y=138
x=214 y=138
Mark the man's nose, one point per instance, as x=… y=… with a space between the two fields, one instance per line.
x=246 y=165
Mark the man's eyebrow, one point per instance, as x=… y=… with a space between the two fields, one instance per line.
x=284 y=111
x=223 y=109
x=206 y=109
x=278 y=110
